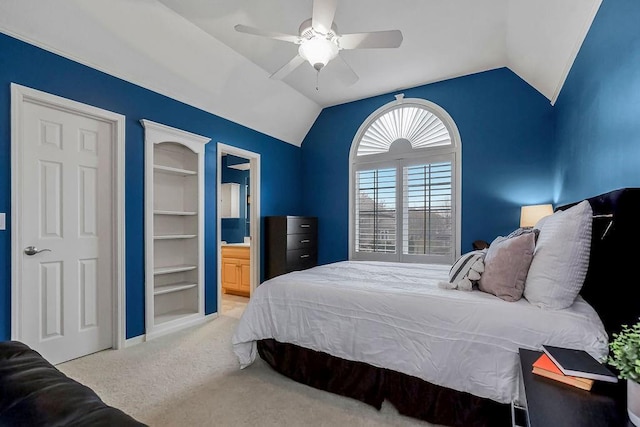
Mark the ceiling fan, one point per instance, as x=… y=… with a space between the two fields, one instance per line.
x=320 y=42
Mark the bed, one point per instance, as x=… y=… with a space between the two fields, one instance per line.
x=448 y=357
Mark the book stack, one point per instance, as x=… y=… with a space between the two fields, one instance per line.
x=573 y=367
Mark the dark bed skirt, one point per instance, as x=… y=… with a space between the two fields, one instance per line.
x=410 y=395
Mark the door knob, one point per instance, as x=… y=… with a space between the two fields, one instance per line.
x=32 y=250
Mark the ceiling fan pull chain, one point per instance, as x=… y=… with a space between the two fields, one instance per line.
x=317 y=79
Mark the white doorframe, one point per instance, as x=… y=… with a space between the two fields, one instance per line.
x=20 y=95
x=254 y=219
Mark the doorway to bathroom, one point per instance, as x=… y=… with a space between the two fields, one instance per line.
x=238 y=228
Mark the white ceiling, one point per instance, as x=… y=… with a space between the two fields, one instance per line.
x=189 y=50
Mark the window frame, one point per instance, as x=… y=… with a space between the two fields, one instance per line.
x=399 y=160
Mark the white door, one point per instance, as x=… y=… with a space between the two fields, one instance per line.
x=66 y=212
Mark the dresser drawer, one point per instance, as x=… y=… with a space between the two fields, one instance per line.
x=302 y=225
x=301 y=241
x=300 y=259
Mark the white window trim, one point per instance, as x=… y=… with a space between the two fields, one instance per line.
x=355 y=163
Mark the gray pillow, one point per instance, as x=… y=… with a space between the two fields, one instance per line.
x=523 y=230
x=506 y=266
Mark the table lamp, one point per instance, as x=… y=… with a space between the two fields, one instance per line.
x=530 y=215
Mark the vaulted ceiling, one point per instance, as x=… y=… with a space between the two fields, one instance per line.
x=189 y=50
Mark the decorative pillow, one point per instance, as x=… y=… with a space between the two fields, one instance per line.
x=506 y=266
x=466 y=271
x=561 y=258
x=523 y=230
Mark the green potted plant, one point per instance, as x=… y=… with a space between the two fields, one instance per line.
x=625 y=357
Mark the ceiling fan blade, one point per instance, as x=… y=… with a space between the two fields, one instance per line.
x=288 y=67
x=346 y=74
x=323 y=13
x=266 y=33
x=376 y=39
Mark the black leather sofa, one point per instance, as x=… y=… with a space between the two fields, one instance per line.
x=34 y=393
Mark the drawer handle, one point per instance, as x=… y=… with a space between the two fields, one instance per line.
x=305 y=241
x=304 y=256
x=305 y=225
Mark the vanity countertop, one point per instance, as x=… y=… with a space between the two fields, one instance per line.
x=237 y=244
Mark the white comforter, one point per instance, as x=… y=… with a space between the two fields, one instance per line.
x=394 y=316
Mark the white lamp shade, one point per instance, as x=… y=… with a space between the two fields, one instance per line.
x=530 y=215
x=318 y=51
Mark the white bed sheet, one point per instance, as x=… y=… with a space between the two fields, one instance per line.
x=394 y=316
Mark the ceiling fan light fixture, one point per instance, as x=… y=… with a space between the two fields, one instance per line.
x=319 y=42
x=318 y=51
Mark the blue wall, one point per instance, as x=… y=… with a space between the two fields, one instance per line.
x=598 y=110
x=33 y=67
x=506 y=129
x=234 y=230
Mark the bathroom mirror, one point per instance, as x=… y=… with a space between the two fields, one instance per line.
x=235 y=179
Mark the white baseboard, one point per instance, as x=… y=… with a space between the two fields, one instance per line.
x=135 y=341
x=142 y=338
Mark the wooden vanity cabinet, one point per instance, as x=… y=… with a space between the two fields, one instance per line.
x=236 y=271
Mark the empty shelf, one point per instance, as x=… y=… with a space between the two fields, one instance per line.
x=173 y=171
x=173 y=269
x=174 y=236
x=174 y=287
x=178 y=213
x=173 y=315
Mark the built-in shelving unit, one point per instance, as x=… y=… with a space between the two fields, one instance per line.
x=174 y=228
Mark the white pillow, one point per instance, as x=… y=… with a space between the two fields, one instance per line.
x=561 y=258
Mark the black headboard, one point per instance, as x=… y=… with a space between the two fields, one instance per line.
x=612 y=285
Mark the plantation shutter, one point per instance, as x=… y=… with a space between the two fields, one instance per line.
x=375 y=211
x=427 y=209
x=404 y=185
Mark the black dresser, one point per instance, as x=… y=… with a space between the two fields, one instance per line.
x=290 y=244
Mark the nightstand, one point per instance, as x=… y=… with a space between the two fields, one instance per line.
x=550 y=403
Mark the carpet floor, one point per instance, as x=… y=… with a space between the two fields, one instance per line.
x=192 y=378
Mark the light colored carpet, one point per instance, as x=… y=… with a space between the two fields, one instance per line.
x=192 y=378
x=233 y=305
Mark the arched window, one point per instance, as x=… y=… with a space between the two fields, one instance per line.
x=404 y=185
